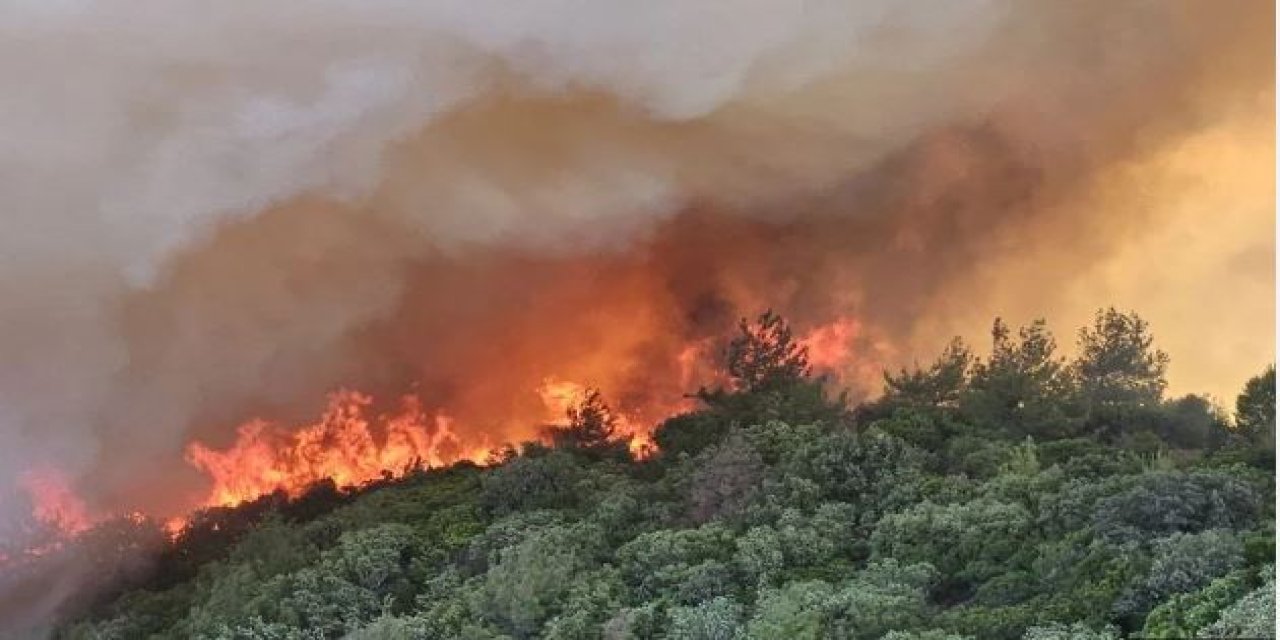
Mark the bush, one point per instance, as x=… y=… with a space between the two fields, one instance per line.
x=971 y=541
x=1160 y=504
x=690 y=433
x=548 y=481
x=1253 y=616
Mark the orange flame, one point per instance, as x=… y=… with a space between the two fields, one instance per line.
x=349 y=446
x=558 y=396
x=843 y=349
x=345 y=445
x=54 y=503
x=829 y=345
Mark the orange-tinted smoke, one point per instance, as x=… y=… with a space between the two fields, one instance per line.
x=352 y=444
x=54 y=503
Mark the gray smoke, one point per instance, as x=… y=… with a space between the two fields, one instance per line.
x=215 y=209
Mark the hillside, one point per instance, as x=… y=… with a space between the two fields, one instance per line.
x=1012 y=495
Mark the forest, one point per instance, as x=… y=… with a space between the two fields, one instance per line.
x=1006 y=493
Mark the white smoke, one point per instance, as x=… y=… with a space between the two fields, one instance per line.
x=361 y=134
x=130 y=131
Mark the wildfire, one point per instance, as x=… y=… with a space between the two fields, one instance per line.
x=829 y=344
x=560 y=395
x=56 y=515
x=843 y=349
x=350 y=447
x=53 y=502
x=346 y=445
x=351 y=444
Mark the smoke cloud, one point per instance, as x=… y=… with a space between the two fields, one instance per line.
x=220 y=210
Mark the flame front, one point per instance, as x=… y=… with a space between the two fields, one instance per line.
x=346 y=445
x=350 y=446
x=559 y=396
x=53 y=503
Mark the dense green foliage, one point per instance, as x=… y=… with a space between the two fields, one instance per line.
x=1017 y=495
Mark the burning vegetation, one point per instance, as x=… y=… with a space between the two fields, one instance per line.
x=352 y=444
x=766 y=480
x=264 y=268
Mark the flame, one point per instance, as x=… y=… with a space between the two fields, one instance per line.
x=58 y=513
x=350 y=445
x=829 y=345
x=845 y=350
x=54 y=503
x=346 y=445
x=174 y=526
x=558 y=396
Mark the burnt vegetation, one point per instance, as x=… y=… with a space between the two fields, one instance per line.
x=1012 y=494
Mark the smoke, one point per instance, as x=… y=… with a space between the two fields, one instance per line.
x=218 y=210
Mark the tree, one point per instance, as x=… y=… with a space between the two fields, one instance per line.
x=1186 y=613
x=1062 y=631
x=1192 y=422
x=348 y=586
x=690 y=432
x=885 y=596
x=969 y=541
x=1253 y=616
x=717 y=619
x=592 y=428
x=797 y=610
x=876 y=473
x=1181 y=563
x=938 y=387
x=1022 y=388
x=668 y=562
x=1117 y=365
x=726 y=481
x=532 y=482
x=769 y=377
x=391 y=628
x=1164 y=503
x=763 y=517
x=1256 y=409
x=765 y=356
x=523 y=589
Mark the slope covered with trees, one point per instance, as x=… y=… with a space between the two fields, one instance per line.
x=1014 y=494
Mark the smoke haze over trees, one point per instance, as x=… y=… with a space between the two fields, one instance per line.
x=987 y=495
x=222 y=211
x=261 y=250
